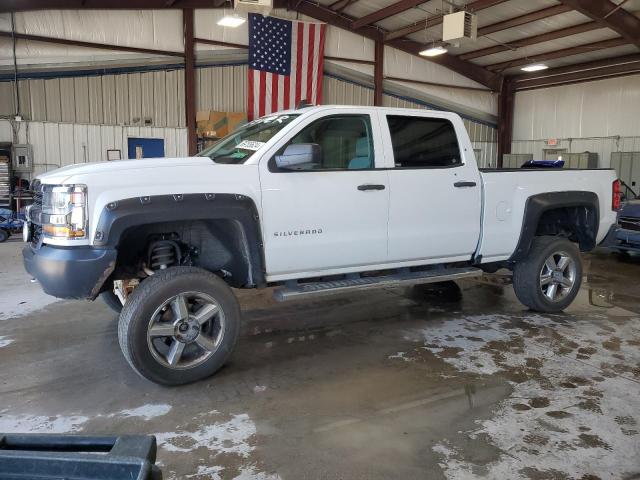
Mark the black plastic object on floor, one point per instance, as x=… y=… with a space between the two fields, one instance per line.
x=77 y=457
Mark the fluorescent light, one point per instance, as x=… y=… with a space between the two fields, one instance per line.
x=535 y=68
x=433 y=51
x=231 y=21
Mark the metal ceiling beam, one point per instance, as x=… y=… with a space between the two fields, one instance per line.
x=467 y=69
x=21 y=5
x=565 y=52
x=533 y=40
x=492 y=80
x=579 y=67
x=393 y=9
x=607 y=14
x=475 y=6
x=584 y=76
x=78 y=43
x=523 y=19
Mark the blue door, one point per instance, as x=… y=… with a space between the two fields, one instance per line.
x=145 y=148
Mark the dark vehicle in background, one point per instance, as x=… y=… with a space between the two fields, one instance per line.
x=627 y=235
x=10 y=223
x=543 y=164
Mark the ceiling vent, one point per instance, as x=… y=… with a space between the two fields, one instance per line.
x=254 y=6
x=459 y=26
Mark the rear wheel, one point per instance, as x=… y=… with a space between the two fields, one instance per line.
x=4 y=235
x=549 y=278
x=179 y=326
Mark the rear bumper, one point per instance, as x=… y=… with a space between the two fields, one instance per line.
x=69 y=272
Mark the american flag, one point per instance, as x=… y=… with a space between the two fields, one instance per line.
x=285 y=64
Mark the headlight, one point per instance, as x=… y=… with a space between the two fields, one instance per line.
x=64 y=211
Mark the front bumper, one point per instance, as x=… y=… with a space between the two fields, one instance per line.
x=69 y=272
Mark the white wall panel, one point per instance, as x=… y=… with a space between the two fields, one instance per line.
x=592 y=109
x=59 y=144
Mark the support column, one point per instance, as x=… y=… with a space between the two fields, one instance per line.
x=505 y=118
x=378 y=69
x=189 y=80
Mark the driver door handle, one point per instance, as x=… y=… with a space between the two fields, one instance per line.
x=464 y=184
x=369 y=186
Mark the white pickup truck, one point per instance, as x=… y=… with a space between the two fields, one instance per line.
x=317 y=200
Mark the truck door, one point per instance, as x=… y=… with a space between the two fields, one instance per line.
x=331 y=214
x=435 y=200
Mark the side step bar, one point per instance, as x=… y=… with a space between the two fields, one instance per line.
x=293 y=290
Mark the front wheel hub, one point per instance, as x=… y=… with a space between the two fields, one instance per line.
x=187 y=331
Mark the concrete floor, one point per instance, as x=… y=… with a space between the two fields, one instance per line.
x=378 y=385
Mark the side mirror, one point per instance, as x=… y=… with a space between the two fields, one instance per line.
x=300 y=156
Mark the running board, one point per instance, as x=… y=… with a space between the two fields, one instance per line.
x=293 y=290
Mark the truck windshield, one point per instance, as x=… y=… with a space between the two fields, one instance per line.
x=239 y=146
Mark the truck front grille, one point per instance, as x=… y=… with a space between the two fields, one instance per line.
x=36 y=208
x=36 y=193
x=630 y=223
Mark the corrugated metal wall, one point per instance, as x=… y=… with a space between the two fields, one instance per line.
x=603 y=146
x=222 y=88
x=139 y=99
x=59 y=144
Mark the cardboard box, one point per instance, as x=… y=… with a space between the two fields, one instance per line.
x=218 y=124
x=235 y=120
x=202 y=116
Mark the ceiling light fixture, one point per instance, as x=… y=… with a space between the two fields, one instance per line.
x=432 y=51
x=535 y=67
x=231 y=21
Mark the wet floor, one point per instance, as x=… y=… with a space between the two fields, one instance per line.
x=409 y=384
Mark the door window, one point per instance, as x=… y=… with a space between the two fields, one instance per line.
x=420 y=142
x=345 y=143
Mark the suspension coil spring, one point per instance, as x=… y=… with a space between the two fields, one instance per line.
x=163 y=254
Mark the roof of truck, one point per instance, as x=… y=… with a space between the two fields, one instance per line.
x=309 y=108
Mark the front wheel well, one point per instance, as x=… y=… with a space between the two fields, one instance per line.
x=221 y=246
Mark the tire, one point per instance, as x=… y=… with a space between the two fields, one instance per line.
x=4 y=235
x=170 y=316
x=112 y=301
x=533 y=277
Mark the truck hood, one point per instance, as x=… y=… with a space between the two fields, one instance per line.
x=61 y=175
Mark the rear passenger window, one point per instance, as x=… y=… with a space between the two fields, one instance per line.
x=423 y=142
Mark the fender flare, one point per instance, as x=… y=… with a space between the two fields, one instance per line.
x=119 y=216
x=537 y=205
